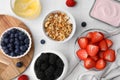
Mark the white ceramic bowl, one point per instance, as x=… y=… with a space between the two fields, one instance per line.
x=63 y=58
x=23 y=30
x=72 y=20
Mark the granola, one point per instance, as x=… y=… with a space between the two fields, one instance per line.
x=58 y=26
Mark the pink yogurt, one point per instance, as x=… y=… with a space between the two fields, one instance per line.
x=107 y=11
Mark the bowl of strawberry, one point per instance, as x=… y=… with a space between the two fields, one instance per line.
x=94 y=49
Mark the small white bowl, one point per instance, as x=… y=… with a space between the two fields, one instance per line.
x=72 y=20
x=23 y=30
x=63 y=58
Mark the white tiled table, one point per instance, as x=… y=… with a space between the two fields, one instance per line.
x=80 y=12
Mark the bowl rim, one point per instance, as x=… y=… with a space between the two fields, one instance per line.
x=72 y=21
x=59 y=54
x=23 y=30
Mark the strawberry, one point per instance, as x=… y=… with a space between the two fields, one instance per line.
x=97 y=36
x=89 y=63
x=92 y=50
x=70 y=3
x=109 y=42
x=83 y=42
x=103 y=45
x=100 y=64
x=95 y=58
x=23 y=77
x=82 y=54
x=109 y=55
x=89 y=35
x=101 y=54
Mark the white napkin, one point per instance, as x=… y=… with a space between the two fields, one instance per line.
x=109 y=73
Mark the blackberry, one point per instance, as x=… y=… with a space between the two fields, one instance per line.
x=49 y=71
x=44 y=57
x=57 y=73
x=52 y=58
x=40 y=75
x=59 y=63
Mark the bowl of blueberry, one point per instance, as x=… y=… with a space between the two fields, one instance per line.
x=15 y=42
x=50 y=65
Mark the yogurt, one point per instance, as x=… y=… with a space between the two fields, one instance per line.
x=107 y=11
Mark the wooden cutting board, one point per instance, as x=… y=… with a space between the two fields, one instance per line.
x=8 y=69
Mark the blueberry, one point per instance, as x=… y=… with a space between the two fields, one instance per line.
x=8 y=32
x=12 y=35
x=16 y=35
x=23 y=48
x=22 y=43
x=11 y=48
x=42 y=41
x=17 y=51
x=11 y=40
x=4 y=47
x=16 y=43
x=26 y=41
x=83 y=24
x=5 y=35
x=6 y=51
x=21 y=33
x=13 y=31
x=10 y=45
x=16 y=47
x=3 y=43
x=12 y=54
x=19 y=64
x=6 y=40
x=21 y=37
x=27 y=45
x=16 y=39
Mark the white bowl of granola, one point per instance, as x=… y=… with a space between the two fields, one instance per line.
x=59 y=26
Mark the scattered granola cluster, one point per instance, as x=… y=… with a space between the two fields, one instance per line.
x=58 y=26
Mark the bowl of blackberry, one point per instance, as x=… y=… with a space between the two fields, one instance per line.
x=15 y=42
x=50 y=65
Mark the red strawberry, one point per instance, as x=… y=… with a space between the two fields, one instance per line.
x=101 y=54
x=92 y=50
x=100 y=64
x=70 y=3
x=109 y=55
x=97 y=36
x=95 y=58
x=23 y=77
x=89 y=63
x=109 y=42
x=103 y=45
x=89 y=35
x=83 y=42
x=82 y=54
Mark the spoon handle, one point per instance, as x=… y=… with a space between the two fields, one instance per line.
x=116 y=32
